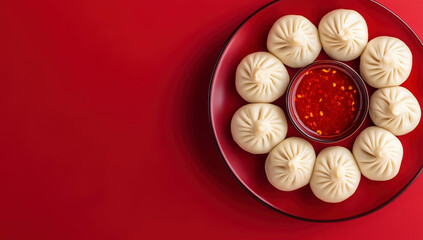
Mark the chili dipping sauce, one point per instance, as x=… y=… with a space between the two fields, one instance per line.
x=326 y=100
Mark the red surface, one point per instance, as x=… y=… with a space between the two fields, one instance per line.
x=104 y=129
x=249 y=168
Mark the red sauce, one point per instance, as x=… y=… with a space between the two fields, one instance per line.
x=326 y=101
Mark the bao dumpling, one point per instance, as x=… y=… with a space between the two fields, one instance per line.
x=395 y=109
x=335 y=176
x=344 y=34
x=258 y=127
x=261 y=77
x=294 y=40
x=378 y=153
x=290 y=164
x=386 y=62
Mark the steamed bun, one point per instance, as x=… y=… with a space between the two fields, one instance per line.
x=258 y=127
x=386 y=62
x=261 y=77
x=290 y=164
x=395 y=109
x=294 y=40
x=378 y=153
x=344 y=34
x=335 y=176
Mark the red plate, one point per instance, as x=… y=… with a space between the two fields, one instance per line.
x=248 y=169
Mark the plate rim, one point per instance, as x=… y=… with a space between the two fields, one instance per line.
x=257 y=198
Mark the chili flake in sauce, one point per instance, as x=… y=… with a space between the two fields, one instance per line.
x=326 y=101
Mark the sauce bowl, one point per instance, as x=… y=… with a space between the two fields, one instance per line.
x=360 y=108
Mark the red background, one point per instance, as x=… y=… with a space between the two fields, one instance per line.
x=104 y=128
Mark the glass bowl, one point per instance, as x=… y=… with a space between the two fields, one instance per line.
x=357 y=119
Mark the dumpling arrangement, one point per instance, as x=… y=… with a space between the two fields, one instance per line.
x=294 y=40
x=290 y=164
x=261 y=127
x=258 y=127
x=378 y=153
x=344 y=34
x=261 y=77
x=336 y=175
x=385 y=64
